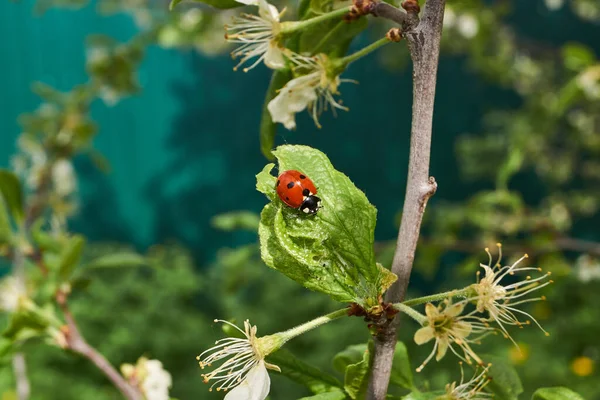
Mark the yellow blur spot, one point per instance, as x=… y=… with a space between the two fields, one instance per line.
x=542 y=311
x=519 y=355
x=10 y=395
x=582 y=366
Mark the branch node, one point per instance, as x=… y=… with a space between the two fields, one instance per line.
x=394 y=35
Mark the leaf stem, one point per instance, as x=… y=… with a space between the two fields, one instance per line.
x=439 y=296
x=343 y=62
x=411 y=312
x=290 y=27
x=307 y=326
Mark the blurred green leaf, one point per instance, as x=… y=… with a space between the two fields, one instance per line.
x=332 y=251
x=117 y=260
x=401 y=370
x=350 y=355
x=577 y=56
x=236 y=220
x=336 y=395
x=25 y=324
x=556 y=393
x=268 y=129
x=422 y=396
x=221 y=4
x=357 y=375
x=10 y=189
x=505 y=382
x=305 y=374
x=5 y=226
x=70 y=256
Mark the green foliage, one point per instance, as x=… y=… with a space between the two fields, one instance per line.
x=221 y=4
x=117 y=260
x=70 y=256
x=332 y=251
x=556 y=393
x=401 y=369
x=313 y=378
x=236 y=220
x=505 y=383
x=358 y=368
x=268 y=128
x=12 y=194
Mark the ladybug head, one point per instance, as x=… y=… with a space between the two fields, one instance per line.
x=311 y=204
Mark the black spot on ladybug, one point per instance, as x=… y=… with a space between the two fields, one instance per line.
x=305 y=192
x=302 y=177
x=290 y=185
x=287 y=198
x=278 y=182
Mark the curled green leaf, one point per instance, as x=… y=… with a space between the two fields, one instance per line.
x=332 y=251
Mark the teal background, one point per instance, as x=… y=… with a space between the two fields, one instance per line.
x=186 y=148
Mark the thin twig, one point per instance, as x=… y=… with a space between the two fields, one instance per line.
x=424 y=45
x=388 y=11
x=77 y=343
x=22 y=382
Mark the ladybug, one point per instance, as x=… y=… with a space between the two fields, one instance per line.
x=297 y=191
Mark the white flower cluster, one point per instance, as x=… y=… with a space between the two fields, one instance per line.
x=149 y=377
x=495 y=301
x=11 y=293
x=259 y=38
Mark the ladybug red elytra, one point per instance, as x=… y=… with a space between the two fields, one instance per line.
x=297 y=191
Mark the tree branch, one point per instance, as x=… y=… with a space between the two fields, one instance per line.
x=424 y=46
x=76 y=343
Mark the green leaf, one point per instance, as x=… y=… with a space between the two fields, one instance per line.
x=401 y=370
x=69 y=257
x=220 y=4
x=236 y=220
x=332 y=251
x=556 y=393
x=10 y=189
x=335 y=395
x=305 y=374
x=357 y=375
x=577 y=57
x=5 y=226
x=117 y=260
x=423 y=396
x=25 y=325
x=505 y=383
x=350 y=355
x=268 y=128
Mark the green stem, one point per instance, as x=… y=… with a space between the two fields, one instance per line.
x=414 y=314
x=440 y=296
x=343 y=62
x=268 y=344
x=315 y=323
x=289 y=27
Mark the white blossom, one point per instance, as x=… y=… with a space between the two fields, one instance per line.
x=149 y=377
x=500 y=300
x=470 y=390
x=258 y=36
x=157 y=382
x=315 y=91
x=589 y=82
x=587 y=269
x=11 y=293
x=448 y=327
x=63 y=177
x=468 y=26
x=554 y=5
x=242 y=368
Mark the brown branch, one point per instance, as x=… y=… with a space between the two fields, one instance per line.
x=76 y=343
x=424 y=46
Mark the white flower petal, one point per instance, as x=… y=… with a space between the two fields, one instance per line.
x=293 y=98
x=248 y=2
x=256 y=386
x=274 y=57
